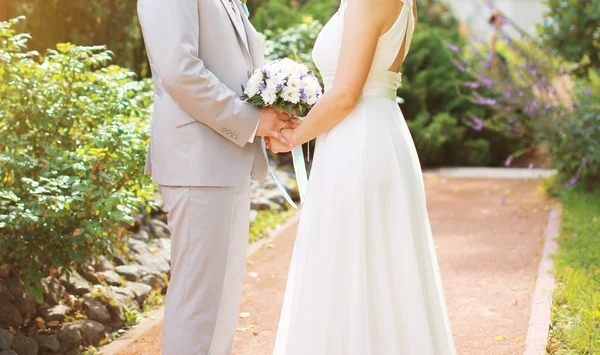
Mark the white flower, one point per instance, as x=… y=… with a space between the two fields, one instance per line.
x=291 y=94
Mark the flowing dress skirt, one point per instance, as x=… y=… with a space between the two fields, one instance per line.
x=364 y=277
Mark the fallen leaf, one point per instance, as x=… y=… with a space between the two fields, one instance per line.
x=40 y=320
x=253 y=274
x=518 y=341
x=515 y=301
x=54 y=323
x=241 y=329
x=483 y=283
x=458 y=189
x=500 y=338
x=244 y=314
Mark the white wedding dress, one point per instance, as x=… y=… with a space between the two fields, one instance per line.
x=364 y=277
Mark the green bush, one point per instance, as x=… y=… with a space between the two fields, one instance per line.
x=281 y=14
x=572 y=28
x=430 y=88
x=73 y=137
x=296 y=42
x=572 y=135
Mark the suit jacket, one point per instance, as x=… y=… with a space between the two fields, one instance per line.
x=199 y=62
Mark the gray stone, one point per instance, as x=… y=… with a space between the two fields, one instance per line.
x=160 y=229
x=110 y=277
x=8 y=352
x=91 y=331
x=118 y=259
x=96 y=310
x=138 y=247
x=6 y=339
x=275 y=196
x=91 y=277
x=22 y=305
x=47 y=344
x=157 y=282
x=76 y=284
x=120 y=298
x=15 y=286
x=9 y=314
x=53 y=290
x=69 y=338
x=103 y=264
x=5 y=292
x=130 y=272
x=55 y=313
x=140 y=290
x=117 y=317
x=262 y=204
x=24 y=345
x=142 y=235
x=156 y=264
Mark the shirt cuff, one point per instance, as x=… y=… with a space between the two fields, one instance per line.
x=251 y=139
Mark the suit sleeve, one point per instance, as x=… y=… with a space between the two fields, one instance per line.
x=171 y=32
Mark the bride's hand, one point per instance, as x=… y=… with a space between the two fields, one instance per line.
x=277 y=147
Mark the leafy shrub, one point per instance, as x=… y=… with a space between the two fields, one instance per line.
x=296 y=42
x=518 y=82
x=572 y=135
x=429 y=89
x=73 y=136
x=572 y=28
x=281 y=14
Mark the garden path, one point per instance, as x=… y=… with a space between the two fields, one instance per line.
x=489 y=236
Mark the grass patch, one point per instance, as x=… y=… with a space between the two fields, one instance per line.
x=267 y=221
x=575 y=316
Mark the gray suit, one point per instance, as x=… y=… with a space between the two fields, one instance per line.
x=200 y=53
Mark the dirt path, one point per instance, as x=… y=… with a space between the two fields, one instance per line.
x=488 y=246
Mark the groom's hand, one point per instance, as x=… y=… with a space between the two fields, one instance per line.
x=277 y=147
x=272 y=122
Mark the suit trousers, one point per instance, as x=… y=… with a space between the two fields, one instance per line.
x=209 y=228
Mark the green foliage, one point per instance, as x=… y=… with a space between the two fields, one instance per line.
x=576 y=301
x=572 y=28
x=280 y=14
x=73 y=138
x=430 y=89
x=572 y=135
x=267 y=221
x=87 y=22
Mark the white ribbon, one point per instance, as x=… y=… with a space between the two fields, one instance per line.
x=299 y=169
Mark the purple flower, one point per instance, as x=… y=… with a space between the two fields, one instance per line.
x=508 y=161
x=453 y=48
x=490 y=4
x=266 y=73
x=487 y=102
x=471 y=85
x=530 y=166
x=587 y=91
x=303 y=95
x=478 y=123
x=572 y=182
x=507 y=94
x=262 y=87
x=485 y=64
x=460 y=67
x=279 y=86
x=548 y=106
x=504 y=200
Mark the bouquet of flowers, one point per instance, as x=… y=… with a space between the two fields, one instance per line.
x=285 y=85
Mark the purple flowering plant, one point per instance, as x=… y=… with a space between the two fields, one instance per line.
x=516 y=79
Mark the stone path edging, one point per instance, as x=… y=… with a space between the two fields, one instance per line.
x=539 y=323
x=489 y=173
x=157 y=316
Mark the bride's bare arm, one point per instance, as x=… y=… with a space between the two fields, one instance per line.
x=364 y=23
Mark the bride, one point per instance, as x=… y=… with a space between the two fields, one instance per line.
x=364 y=277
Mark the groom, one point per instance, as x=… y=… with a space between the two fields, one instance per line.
x=202 y=154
